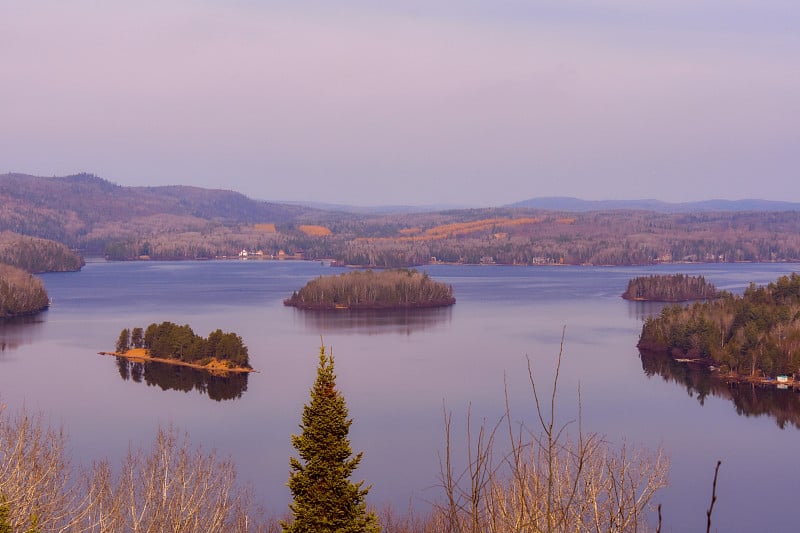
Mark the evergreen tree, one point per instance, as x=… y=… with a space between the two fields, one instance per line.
x=137 y=337
x=325 y=500
x=124 y=341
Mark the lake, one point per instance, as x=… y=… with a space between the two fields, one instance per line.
x=400 y=372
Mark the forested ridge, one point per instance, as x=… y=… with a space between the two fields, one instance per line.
x=670 y=288
x=97 y=217
x=37 y=255
x=749 y=335
x=171 y=341
x=388 y=289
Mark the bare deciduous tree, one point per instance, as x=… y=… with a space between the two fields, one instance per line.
x=35 y=474
x=547 y=481
x=171 y=487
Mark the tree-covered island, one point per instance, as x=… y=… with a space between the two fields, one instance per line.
x=755 y=336
x=170 y=343
x=369 y=289
x=20 y=293
x=670 y=288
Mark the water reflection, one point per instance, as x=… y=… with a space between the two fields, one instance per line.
x=644 y=310
x=182 y=378
x=403 y=321
x=17 y=331
x=749 y=399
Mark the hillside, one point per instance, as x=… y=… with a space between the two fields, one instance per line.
x=84 y=209
x=37 y=255
x=559 y=203
x=97 y=217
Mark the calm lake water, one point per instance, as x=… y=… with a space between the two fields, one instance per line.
x=399 y=371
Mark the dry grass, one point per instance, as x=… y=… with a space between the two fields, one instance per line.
x=315 y=231
x=215 y=366
x=457 y=229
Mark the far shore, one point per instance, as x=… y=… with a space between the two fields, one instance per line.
x=215 y=366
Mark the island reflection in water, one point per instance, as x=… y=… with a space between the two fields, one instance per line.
x=371 y=322
x=17 y=331
x=182 y=378
x=644 y=310
x=749 y=399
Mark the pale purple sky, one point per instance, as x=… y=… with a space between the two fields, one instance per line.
x=481 y=102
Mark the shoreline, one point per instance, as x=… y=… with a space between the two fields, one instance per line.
x=369 y=307
x=214 y=367
x=335 y=264
x=731 y=378
x=728 y=377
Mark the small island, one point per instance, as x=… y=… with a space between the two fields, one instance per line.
x=670 y=288
x=20 y=293
x=754 y=337
x=179 y=345
x=373 y=290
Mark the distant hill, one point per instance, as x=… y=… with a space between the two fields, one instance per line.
x=97 y=217
x=100 y=200
x=73 y=209
x=576 y=205
x=378 y=209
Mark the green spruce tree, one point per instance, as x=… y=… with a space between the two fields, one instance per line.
x=324 y=498
x=124 y=341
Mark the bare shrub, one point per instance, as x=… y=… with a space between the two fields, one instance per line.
x=35 y=474
x=170 y=487
x=546 y=481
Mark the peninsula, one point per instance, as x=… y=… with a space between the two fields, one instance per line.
x=753 y=337
x=387 y=289
x=20 y=293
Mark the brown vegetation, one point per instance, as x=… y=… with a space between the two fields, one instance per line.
x=37 y=255
x=215 y=366
x=171 y=486
x=313 y=230
x=544 y=481
x=20 y=293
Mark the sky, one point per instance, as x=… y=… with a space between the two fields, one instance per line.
x=417 y=102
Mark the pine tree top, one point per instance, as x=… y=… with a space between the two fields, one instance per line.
x=325 y=500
